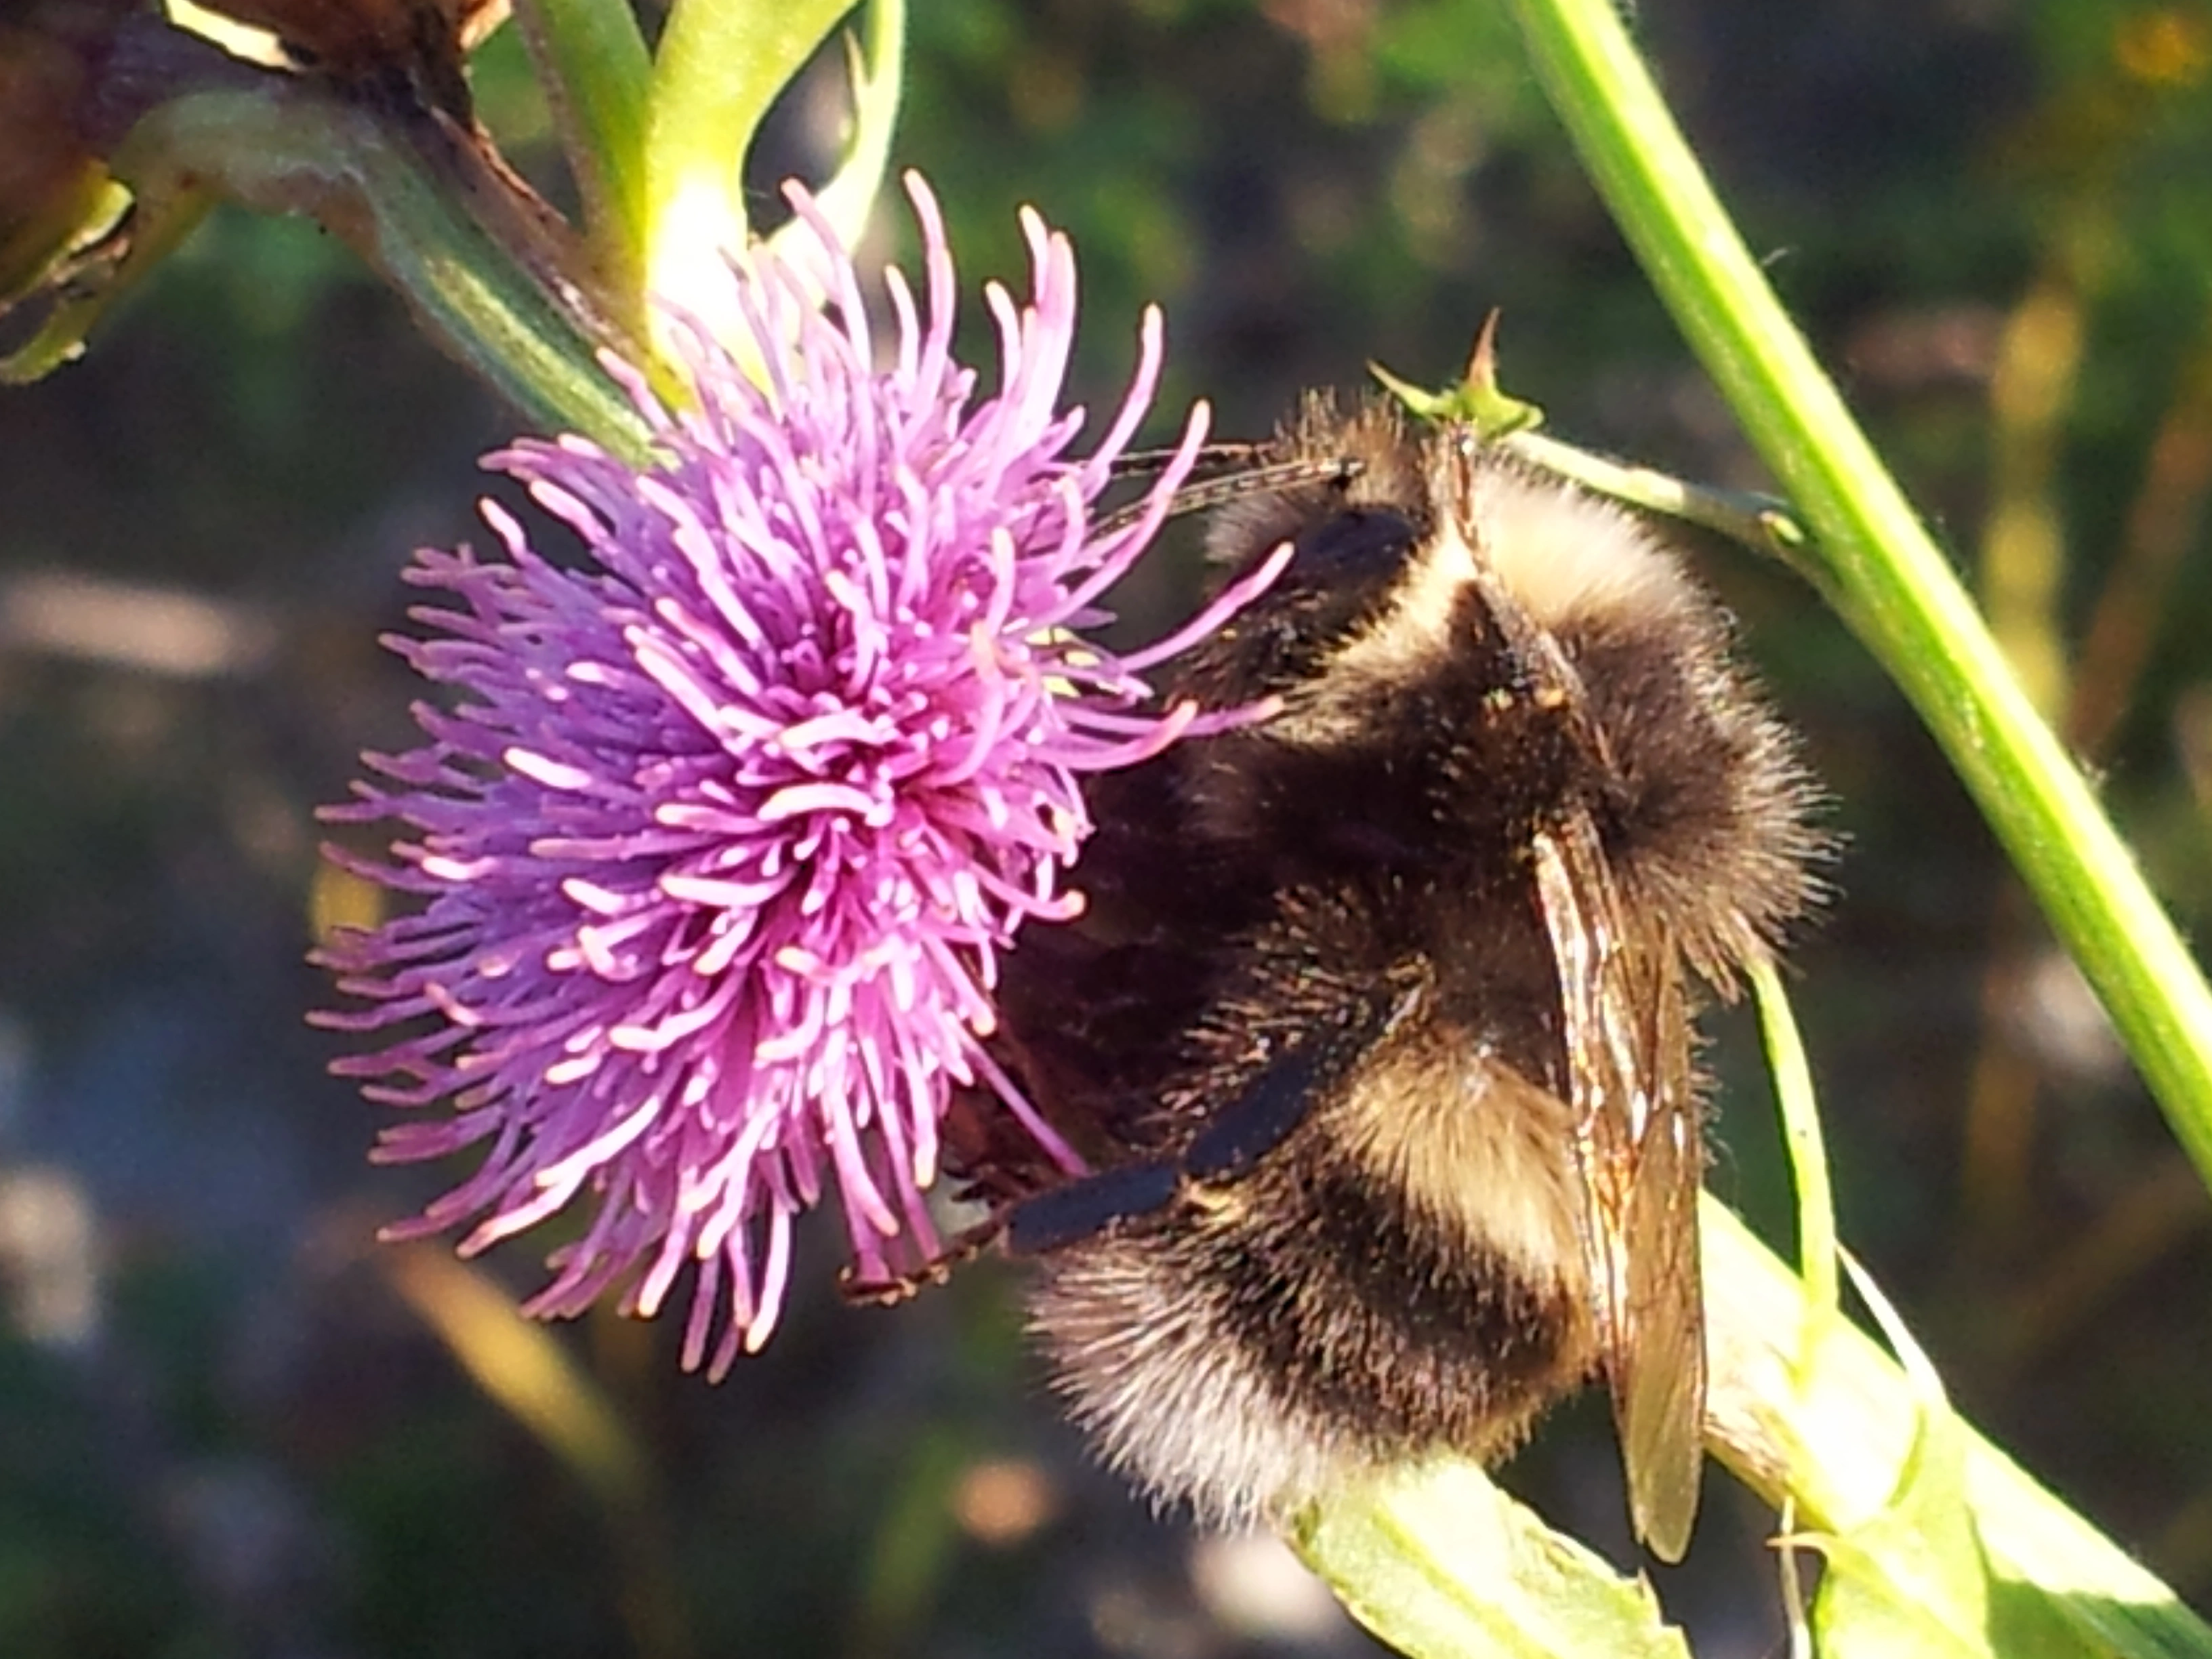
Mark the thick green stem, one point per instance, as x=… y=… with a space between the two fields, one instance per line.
x=492 y=278
x=1883 y=572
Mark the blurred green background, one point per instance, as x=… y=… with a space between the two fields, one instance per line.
x=231 y=1425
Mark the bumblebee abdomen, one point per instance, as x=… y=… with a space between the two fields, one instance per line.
x=1251 y=1343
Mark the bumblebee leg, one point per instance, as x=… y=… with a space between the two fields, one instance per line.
x=1227 y=1151
x=1277 y=1101
x=904 y=1287
x=1258 y=1120
x=1231 y=1145
x=1089 y=1205
x=1080 y=1209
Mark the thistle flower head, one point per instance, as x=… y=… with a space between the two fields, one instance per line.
x=721 y=840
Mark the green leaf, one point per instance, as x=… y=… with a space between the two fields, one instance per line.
x=1440 y=1563
x=721 y=65
x=876 y=70
x=1837 y=1440
x=1913 y=1578
x=1475 y=399
x=103 y=255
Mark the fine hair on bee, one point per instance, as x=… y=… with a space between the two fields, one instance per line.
x=1375 y=1034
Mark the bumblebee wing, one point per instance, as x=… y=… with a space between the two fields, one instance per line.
x=1637 y=1140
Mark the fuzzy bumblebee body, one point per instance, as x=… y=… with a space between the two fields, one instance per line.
x=1377 y=1033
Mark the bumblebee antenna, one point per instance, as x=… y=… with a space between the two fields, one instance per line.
x=1248 y=476
x=1212 y=458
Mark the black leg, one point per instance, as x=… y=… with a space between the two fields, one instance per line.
x=1089 y=1205
x=1276 y=1102
x=1258 y=1120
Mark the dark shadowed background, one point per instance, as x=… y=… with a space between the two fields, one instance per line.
x=229 y=1425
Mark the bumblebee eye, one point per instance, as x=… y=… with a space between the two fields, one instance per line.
x=1358 y=548
x=1343 y=571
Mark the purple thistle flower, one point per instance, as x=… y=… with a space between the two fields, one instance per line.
x=723 y=836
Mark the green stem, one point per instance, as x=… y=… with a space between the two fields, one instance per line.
x=1809 y=1153
x=1884 y=574
x=1760 y=522
x=489 y=280
x=592 y=60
